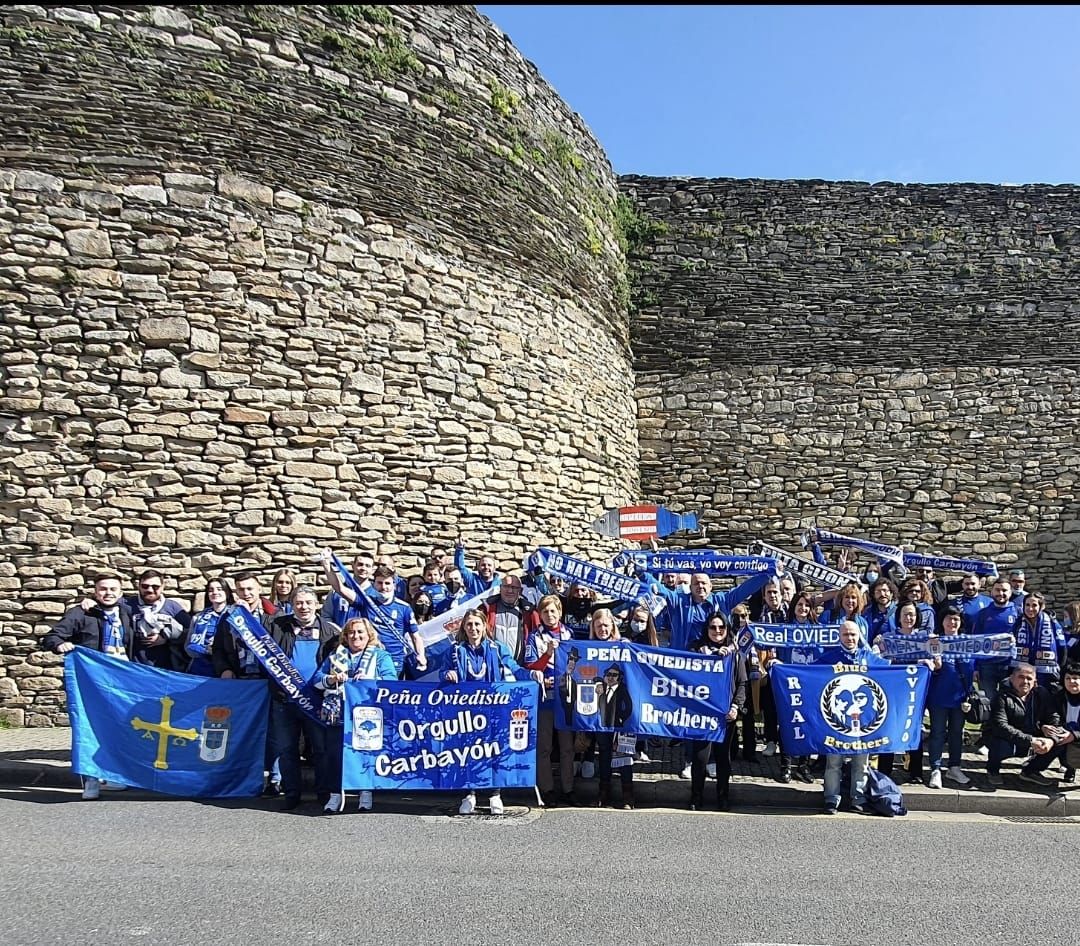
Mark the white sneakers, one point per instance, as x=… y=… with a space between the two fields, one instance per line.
x=468 y=804
x=91 y=789
x=685 y=773
x=588 y=770
x=935 y=779
x=955 y=775
x=710 y=770
x=335 y=803
x=770 y=749
x=642 y=757
x=983 y=753
x=366 y=801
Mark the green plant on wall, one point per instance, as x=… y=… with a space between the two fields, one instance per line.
x=503 y=101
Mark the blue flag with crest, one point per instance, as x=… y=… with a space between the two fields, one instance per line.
x=164 y=731
x=418 y=735
x=848 y=709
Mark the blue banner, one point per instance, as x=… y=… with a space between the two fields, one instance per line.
x=703 y=561
x=975 y=646
x=892 y=553
x=847 y=709
x=945 y=564
x=772 y=636
x=601 y=580
x=408 y=734
x=631 y=688
x=164 y=731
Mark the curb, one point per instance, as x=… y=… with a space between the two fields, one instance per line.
x=674 y=794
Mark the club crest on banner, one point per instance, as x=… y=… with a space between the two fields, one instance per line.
x=367 y=728
x=853 y=705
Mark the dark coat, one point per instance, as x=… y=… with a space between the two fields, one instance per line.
x=85 y=629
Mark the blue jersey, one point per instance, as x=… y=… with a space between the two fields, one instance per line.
x=394 y=622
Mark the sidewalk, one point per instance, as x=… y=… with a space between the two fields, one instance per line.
x=41 y=758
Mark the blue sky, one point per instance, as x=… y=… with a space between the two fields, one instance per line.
x=897 y=93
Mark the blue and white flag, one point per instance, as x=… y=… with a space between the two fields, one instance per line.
x=811 y=571
x=773 y=636
x=164 y=731
x=619 y=686
x=412 y=735
x=849 y=709
x=704 y=561
x=440 y=631
x=945 y=564
x=891 y=553
x=246 y=627
x=973 y=646
x=601 y=580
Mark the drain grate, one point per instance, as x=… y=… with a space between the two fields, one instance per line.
x=1042 y=819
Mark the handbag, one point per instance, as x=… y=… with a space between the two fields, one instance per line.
x=978 y=708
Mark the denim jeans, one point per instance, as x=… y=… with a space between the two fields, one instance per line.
x=833 y=766
x=946 y=722
x=286 y=724
x=1001 y=749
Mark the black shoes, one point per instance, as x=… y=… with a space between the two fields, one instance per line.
x=290 y=803
x=785 y=774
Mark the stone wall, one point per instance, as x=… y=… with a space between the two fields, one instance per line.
x=897 y=362
x=276 y=277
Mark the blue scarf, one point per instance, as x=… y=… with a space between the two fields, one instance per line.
x=973 y=646
x=1037 y=646
x=703 y=561
x=892 y=553
x=112 y=637
x=273 y=660
x=200 y=638
x=483 y=664
x=775 y=636
x=811 y=571
x=946 y=564
x=600 y=580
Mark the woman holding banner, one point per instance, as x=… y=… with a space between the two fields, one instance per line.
x=544 y=633
x=615 y=749
x=849 y=604
x=718 y=642
x=357 y=654
x=478 y=658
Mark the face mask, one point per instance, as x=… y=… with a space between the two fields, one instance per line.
x=871 y=577
x=385 y=596
x=637 y=626
x=453 y=586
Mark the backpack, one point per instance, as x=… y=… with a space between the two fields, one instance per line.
x=883 y=795
x=979 y=711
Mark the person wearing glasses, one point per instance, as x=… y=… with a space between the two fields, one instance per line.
x=161 y=624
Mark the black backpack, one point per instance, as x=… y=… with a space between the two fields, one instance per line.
x=978 y=708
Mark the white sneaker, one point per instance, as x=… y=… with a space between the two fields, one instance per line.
x=710 y=770
x=468 y=804
x=113 y=786
x=335 y=803
x=91 y=789
x=770 y=749
x=685 y=773
x=935 y=779
x=642 y=757
x=983 y=753
x=495 y=801
x=956 y=775
x=366 y=801
x=588 y=770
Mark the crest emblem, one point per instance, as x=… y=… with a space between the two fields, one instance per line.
x=853 y=704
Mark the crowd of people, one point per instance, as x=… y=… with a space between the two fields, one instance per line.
x=368 y=628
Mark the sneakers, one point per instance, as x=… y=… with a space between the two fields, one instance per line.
x=365 y=801
x=710 y=770
x=588 y=770
x=113 y=786
x=1037 y=778
x=955 y=774
x=935 y=779
x=642 y=757
x=468 y=804
x=271 y=789
x=996 y=781
x=685 y=773
x=829 y=809
x=495 y=801
x=983 y=753
x=91 y=789
x=770 y=749
x=335 y=803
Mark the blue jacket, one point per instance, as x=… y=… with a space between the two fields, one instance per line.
x=950 y=685
x=687 y=618
x=497 y=662
x=879 y=622
x=474 y=584
x=860 y=655
x=970 y=608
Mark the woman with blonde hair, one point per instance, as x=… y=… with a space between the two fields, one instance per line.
x=282 y=589
x=357 y=654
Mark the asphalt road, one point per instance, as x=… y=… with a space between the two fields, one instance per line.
x=151 y=871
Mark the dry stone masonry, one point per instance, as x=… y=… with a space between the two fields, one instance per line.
x=273 y=277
